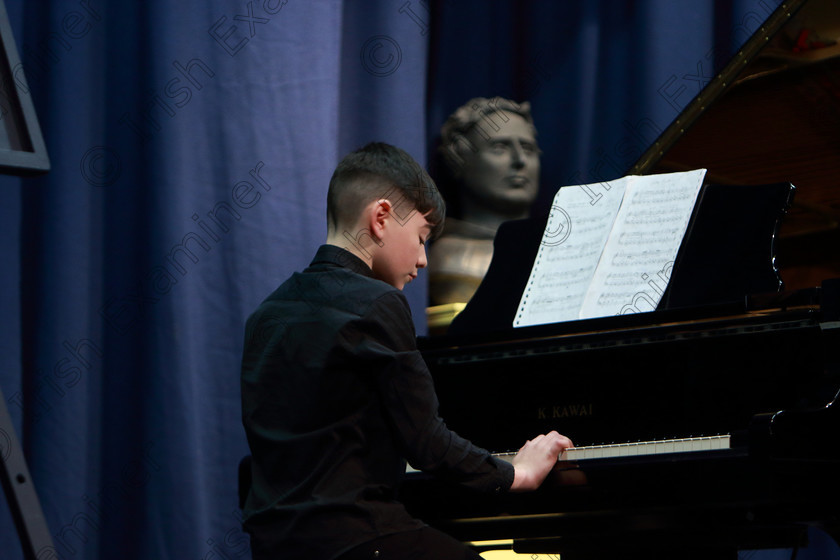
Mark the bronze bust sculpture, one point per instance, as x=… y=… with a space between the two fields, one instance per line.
x=491 y=154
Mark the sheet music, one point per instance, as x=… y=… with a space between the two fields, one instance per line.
x=615 y=258
x=644 y=242
x=577 y=230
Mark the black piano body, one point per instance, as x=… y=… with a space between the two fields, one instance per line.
x=673 y=377
x=762 y=368
x=728 y=351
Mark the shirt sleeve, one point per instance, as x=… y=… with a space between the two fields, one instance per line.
x=411 y=405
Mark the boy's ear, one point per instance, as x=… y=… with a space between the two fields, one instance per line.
x=380 y=215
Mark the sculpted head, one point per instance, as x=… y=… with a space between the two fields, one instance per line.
x=491 y=150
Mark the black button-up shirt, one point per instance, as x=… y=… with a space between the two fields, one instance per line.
x=335 y=398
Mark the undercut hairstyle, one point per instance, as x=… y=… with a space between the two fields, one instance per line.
x=381 y=171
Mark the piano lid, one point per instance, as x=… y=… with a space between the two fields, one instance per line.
x=772 y=115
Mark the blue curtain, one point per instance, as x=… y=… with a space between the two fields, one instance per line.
x=191 y=145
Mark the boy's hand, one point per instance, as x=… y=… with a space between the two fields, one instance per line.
x=535 y=460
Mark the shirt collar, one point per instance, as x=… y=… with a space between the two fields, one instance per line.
x=331 y=254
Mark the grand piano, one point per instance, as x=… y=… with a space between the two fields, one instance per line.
x=706 y=426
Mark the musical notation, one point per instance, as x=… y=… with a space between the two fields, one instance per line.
x=613 y=245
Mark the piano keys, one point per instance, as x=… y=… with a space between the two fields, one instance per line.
x=638 y=448
x=629 y=449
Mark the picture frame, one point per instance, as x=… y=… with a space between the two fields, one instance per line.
x=22 y=148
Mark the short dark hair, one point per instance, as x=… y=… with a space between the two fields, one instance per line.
x=375 y=171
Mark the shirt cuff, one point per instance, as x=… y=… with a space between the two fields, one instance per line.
x=506 y=474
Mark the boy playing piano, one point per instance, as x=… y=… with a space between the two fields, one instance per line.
x=336 y=396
